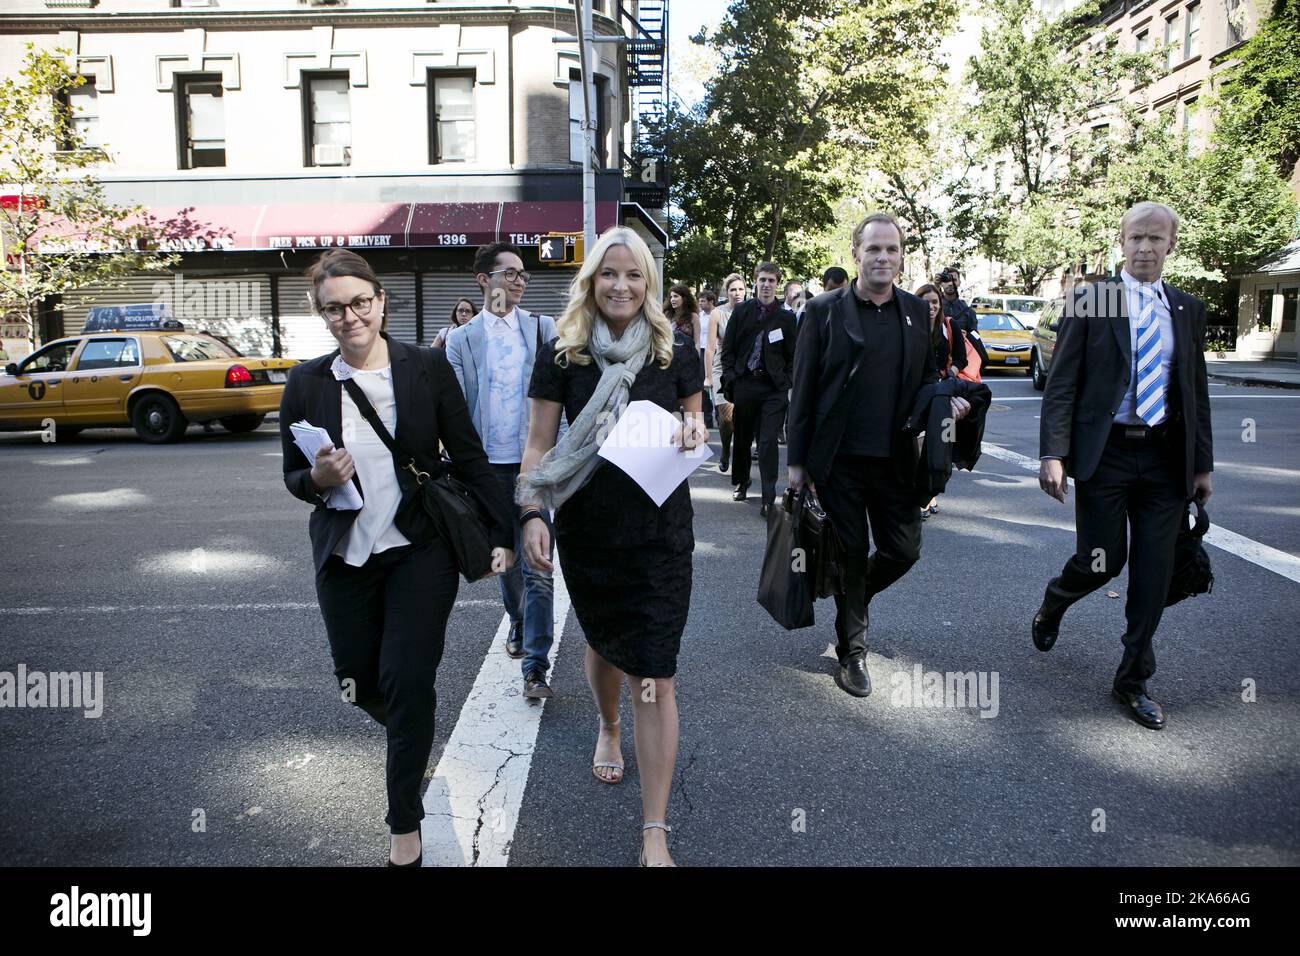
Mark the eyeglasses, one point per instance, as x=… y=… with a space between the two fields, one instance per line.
x=360 y=307
x=513 y=275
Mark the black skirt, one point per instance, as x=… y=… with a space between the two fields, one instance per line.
x=631 y=603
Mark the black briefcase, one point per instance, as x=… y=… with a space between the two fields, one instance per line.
x=801 y=562
x=1192 y=573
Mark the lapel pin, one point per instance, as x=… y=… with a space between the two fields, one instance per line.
x=909 y=319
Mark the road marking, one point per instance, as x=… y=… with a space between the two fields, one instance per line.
x=1248 y=549
x=472 y=803
x=185 y=608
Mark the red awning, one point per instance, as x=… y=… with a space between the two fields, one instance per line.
x=343 y=225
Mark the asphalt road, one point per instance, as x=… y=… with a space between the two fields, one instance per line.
x=183 y=574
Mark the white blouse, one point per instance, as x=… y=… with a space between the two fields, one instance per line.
x=373 y=531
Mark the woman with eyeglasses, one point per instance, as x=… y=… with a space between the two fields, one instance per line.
x=385 y=581
x=627 y=562
x=461 y=313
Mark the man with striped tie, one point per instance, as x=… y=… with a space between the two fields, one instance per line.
x=1126 y=413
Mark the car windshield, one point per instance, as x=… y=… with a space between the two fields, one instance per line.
x=999 y=322
x=1026 y=305
x=195 y=348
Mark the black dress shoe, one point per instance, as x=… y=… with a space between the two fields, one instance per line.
x=515 y=642
x=764 y=510
x=1141 y=708
x=535 y=686
x=740 y=494
x=1046 y=628
x=854 y=677
x=419 y=860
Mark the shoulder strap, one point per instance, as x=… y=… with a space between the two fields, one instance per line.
x=400 y=455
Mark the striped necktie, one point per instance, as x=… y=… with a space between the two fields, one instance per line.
x=1150 y=401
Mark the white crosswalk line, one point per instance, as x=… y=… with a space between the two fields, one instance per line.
x=472 y=803
x=1271 y=559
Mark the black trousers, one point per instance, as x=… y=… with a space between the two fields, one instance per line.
x=387 y=621
x=759 y=408
x=865 y=500
x=1137 y=492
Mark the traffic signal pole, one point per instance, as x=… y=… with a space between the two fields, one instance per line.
x=586 y=51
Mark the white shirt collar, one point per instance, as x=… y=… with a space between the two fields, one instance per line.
x=492 y=320
x=1133 y=285
x=343 y=371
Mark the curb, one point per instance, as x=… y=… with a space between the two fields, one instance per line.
x=1250 y=381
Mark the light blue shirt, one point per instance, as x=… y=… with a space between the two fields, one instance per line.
x=1127 y=415
x=506 y=357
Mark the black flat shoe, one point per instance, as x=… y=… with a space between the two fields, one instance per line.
x=515 y=642
x=764 y=510
x=740 y=494
x=1046 y=628
x=854 y=677
x=419 y=860
x=1141 y=708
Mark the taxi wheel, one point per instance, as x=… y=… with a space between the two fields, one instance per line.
x=158 y=420
x=1036 y=372
x=242 y=423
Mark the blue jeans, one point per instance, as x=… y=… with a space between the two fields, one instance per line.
x=527 y=594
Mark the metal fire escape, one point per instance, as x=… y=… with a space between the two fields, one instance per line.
x=647 y=63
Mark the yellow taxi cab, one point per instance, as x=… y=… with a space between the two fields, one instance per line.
x=1005 y=338
x=145 y=371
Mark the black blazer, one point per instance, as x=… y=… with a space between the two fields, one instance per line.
x=1090 y=371
x=738 y=342
x=430 y=409
x=831 y=353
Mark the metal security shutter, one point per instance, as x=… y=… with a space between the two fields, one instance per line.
x=441 y=290
x=303 y=333
x=548 y=292
x=400 y=292
x=237 y=308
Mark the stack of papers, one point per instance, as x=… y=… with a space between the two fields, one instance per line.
x=642 y=445
x=310 y=439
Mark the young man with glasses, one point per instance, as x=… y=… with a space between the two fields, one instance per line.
x=493 y=357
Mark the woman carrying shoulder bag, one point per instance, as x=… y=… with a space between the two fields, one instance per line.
x=385 y=580
x=627 y=562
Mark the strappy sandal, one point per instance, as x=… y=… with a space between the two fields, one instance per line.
x=653 y=826
x=605 y=764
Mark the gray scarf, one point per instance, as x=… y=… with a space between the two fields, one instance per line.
x=569 y=465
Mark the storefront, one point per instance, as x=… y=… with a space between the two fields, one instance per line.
x=1267 y=304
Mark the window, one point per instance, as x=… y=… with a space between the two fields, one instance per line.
x=1192 y=32
x=108 y=353
x=194 y=348
x=601 y=116
x=1101 y=148
x=998 y=322
x=1171 y=45
x=1236 y=21
x=1142 y=42
x=451 y=118
x=329 y=119
x=1289 y=301
x=201 y=119
x=1189 y=115
x=81 y=104
x=52 y=358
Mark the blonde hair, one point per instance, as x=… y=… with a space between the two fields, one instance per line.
x=1144 y=209
x=574 y=326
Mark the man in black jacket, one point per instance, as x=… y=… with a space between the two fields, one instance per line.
x=757 y=364
x=864 y=354
x=1126 y=413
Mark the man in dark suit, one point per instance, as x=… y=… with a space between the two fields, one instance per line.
x=1126 y=413
x=864 y=354
x=757 y=364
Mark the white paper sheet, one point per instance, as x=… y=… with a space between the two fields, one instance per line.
x=310 y=439
x=642 y=445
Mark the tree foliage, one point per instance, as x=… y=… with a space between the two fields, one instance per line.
x=44 y=165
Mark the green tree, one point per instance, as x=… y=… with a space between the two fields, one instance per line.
x=807 y=94
x=44 y=163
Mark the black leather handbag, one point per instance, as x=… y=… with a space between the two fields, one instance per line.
x=442 y=504
x=802 y=560
x=1192 y=574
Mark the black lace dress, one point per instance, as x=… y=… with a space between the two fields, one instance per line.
x=626 y=563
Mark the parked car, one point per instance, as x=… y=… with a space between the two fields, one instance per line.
x=1026 y=308
x=153 y=375
x=1044 y=341
x=1006 y=340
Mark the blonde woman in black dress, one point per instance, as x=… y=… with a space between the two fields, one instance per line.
x=627 y=563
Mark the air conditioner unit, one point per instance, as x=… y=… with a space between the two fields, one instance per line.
x=330 y=155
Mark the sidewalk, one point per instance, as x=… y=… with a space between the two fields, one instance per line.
x=1269 y=373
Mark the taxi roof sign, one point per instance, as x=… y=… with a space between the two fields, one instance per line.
x=147 y=316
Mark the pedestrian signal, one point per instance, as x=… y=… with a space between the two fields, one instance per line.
x=560 y=249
